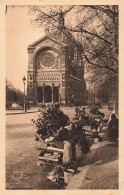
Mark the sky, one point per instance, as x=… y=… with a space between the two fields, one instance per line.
x=19 y=34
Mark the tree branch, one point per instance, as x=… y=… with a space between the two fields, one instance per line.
x=109 y=12
x=85 y=31
x=74 y=42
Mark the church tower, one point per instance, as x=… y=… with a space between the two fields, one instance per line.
x=55 y=73
x=61 y=20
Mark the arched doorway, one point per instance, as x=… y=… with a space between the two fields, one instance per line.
x=55 y=94
x=48 y=94
x=39 y=94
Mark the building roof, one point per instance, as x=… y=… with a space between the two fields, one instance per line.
x=42 y=39
x=60 y=36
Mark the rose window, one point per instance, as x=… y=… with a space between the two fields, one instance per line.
x=47 y=59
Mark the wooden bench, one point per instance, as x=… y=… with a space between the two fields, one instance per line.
x=48 y=148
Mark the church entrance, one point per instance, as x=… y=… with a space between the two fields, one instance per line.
x=39 y=94
x=55 y=94
x=47 y=94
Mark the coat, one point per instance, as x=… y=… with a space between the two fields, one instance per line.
x=112 y=133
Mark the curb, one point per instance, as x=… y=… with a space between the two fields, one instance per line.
x=21 y=113
x=77 y=179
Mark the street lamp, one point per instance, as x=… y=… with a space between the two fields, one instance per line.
x=24 y=80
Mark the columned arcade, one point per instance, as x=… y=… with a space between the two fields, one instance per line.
x=48 y=94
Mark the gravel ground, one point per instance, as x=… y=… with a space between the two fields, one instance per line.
x=22 y=171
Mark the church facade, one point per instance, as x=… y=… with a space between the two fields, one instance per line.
x=55 y=69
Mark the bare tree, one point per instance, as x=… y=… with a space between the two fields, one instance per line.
x=97 y=27
x=13 y=95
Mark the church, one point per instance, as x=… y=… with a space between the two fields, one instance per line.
x=55 y=69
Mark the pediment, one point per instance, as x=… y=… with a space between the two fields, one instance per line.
x=39 y=41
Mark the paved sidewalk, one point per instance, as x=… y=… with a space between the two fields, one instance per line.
x=31 y=110
x=99 y=169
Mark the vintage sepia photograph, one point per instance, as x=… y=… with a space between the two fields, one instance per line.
x=62 y=102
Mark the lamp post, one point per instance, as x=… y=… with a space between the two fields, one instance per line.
x=24 y=80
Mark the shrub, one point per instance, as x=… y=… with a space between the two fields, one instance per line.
x=50 y=121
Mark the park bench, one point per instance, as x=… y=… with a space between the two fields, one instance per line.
x=51 y=153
